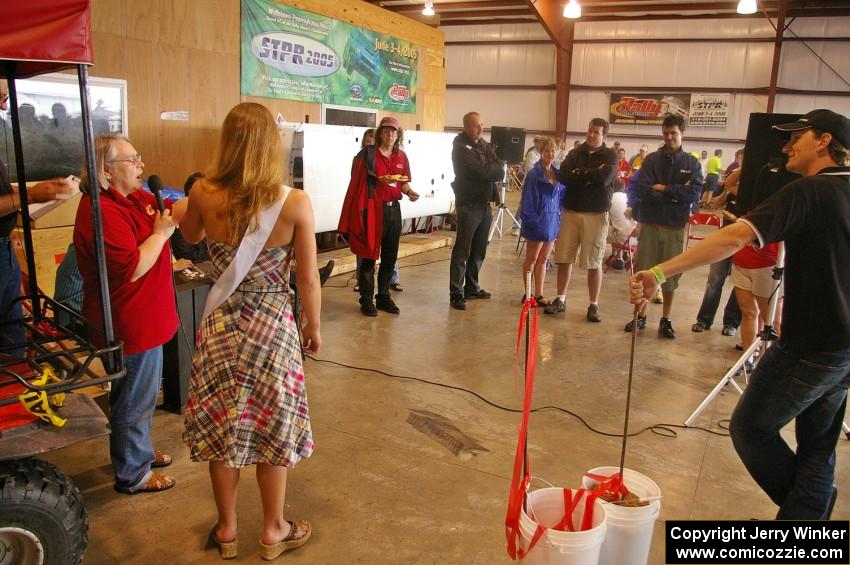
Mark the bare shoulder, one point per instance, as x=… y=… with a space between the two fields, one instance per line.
x=297 y=203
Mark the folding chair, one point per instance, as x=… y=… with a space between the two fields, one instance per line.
x=700 y=219
x=624 y=252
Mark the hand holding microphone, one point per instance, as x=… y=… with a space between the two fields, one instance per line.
x=155 y=184
x=163 y=224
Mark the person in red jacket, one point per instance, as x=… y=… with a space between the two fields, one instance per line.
x=380 y=175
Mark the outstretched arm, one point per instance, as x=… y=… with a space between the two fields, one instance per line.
x=719 y=245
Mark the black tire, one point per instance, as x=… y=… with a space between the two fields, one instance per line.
x=40 y=505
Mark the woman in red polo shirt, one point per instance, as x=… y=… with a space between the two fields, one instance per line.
x=144 y=314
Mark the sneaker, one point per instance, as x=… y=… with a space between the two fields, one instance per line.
x=368 y=309
x=397 y=287
x=593 y=313
x=479 y=294
x=699 y=327
x=658 y=298
x=356 y=288
x=457 y=302
x=558 y=306
x=386 y=304
x=514 y=230
x=641 y=324
x=729 y=330
x=665 y=329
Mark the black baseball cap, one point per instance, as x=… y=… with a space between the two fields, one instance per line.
x=822 y=120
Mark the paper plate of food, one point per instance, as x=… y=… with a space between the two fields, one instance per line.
x=394 y=178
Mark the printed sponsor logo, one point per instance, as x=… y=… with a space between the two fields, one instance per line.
x=399 y=93
x=295 y=54
x=356 y=92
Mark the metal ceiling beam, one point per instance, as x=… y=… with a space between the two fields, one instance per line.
x=482 y=13
x=490 y=21
x=777 y=55
x=442 y=6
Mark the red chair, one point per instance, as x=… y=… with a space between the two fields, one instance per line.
x=624 y=252
x=700 y=219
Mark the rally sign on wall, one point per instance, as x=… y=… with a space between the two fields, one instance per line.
x=651 y=109
x=647 y=109
x=292 y=54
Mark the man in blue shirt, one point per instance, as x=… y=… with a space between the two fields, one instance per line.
x=670 y=182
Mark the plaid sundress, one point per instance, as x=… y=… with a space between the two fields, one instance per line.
x=247 y=400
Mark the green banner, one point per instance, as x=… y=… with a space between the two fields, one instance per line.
x=296 y=55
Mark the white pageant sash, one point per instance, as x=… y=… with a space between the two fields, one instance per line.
x=249 y=249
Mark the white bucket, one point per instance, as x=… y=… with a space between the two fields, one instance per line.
x=629 y=528
x=554 y=547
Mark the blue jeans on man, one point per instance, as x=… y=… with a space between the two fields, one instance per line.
x=133 y=401
x=717 y=274
x=10 y=310
x=788 y=385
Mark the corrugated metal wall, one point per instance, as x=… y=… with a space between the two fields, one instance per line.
x=610 y=66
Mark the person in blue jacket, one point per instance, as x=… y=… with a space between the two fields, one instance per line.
x=540 y=215
x=669 y=182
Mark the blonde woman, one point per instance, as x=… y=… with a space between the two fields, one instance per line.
x=540 y=214
x=247 y=402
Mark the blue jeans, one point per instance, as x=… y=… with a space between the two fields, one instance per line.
x=10 y=287
x=133 y=400
x=788 y=384
x=717 y=274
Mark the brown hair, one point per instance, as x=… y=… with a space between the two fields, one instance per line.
x=104 y=150
x=837 y=152
x=599 y=123
x=548 y=143
x=248 y=165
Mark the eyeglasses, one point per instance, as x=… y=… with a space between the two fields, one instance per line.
x=135 y=159
x=4 y=99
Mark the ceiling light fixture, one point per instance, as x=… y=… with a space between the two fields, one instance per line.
x=428 y=10
x=747 y=7
x=573 y=10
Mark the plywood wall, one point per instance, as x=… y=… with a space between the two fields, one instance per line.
x=183 y=55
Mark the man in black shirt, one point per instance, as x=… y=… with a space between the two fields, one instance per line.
x=476 y=170
x=588 y=174
x=806 y=375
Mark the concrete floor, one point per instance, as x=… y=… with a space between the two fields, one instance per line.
x=386 y=485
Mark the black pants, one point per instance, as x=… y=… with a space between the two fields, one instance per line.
x=389 y=253
x=473 y=227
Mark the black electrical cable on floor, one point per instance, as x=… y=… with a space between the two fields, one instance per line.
x=663 y=430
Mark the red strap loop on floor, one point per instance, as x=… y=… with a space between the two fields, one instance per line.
x=520 y=482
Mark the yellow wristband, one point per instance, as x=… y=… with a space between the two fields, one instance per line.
x=659 y=276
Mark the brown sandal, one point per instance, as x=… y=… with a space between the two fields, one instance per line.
x=157 y=483
x=160 y=459
x=275 y=550
x=226 y=549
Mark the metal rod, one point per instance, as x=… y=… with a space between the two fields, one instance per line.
x=629 y=390
x=112 y=362
x=23 y=197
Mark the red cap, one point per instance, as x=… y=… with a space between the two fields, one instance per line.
x=390 y=122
